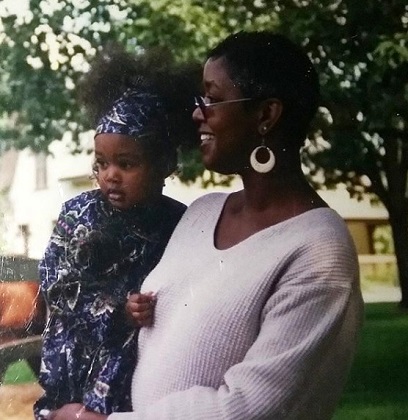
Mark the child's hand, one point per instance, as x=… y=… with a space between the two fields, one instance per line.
x=139 y=309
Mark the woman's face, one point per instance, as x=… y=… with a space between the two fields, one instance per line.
x=124 y=174
x=227 y=131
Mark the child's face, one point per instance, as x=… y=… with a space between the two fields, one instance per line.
x=123 y=173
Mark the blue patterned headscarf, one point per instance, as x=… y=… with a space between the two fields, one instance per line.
x=132 y=115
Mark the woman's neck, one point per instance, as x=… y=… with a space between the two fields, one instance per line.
x=280 y=189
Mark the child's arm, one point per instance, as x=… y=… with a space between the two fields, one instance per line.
x=139 y=309
x=54 y=381
x=55 y=267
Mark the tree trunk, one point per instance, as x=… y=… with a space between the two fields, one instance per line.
x=399 y=226
x=396 y=166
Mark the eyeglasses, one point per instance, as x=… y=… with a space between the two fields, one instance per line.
x=200 y=101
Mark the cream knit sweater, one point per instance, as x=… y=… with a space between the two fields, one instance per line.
x=263 y=330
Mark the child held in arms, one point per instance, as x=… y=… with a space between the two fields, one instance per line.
x=107 y=240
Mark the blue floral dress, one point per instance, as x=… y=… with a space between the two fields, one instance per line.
x=96 y=256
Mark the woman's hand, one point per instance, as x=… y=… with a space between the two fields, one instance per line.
x=74 y=412
x=139 y=309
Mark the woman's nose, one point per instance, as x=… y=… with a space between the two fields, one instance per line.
x=198 y=115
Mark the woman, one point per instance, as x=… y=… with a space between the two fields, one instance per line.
x=258 y=301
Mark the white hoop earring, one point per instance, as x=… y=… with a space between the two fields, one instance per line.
x=260 y=167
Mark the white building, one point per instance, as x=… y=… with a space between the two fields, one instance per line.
x=33 y=187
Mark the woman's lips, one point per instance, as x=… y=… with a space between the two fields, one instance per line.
x=205 y=138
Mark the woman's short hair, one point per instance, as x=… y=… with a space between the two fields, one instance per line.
x=269 y=65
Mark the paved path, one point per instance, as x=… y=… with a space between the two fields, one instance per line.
x=380 y=293
x=16 y=401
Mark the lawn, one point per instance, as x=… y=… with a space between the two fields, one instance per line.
x=19 y=373
x=377 y=388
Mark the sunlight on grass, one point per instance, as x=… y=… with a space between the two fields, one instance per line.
x=18 y=373
x=377 y=387
x=390 y=411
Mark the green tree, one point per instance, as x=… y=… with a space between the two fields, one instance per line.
x=45 y=50
x=360 y=50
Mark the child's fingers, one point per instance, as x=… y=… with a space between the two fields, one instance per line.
x=141 y=316
x=143 y=319
x=142 y=297
x=139 y=307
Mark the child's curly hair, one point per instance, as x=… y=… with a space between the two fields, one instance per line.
x=115 y=70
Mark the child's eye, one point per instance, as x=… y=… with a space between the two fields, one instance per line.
x=100 y=164
x=126 y=164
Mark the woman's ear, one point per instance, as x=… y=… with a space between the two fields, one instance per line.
x=271 y=113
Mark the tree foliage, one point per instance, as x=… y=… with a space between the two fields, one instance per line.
x=360 y=49
x=45 y=50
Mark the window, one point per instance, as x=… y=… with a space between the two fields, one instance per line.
x=41 y=171
x=25 y=234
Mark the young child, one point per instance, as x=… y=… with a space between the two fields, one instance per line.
x=107 y=240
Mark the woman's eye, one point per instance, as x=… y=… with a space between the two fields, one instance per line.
x=210 y=100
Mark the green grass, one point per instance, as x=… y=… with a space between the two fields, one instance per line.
x=377 y=388
x=18 y=373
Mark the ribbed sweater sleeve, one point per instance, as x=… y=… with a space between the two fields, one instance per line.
x=295 y=354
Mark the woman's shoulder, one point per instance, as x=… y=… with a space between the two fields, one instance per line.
x=322 y=220
x=203 y=204
x=210 y=201
x=321 y=232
